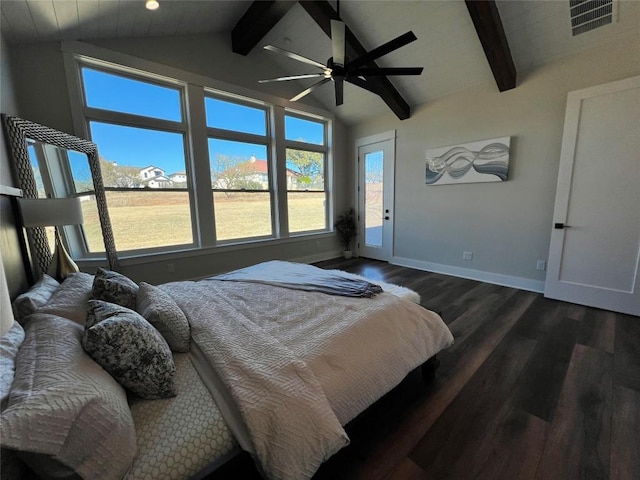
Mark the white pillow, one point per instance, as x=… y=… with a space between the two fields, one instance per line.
x=68 y=410
x=70 y=299
x=34 y=298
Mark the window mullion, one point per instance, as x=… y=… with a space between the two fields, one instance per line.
x=236 y=136
x=310 y=147
x=279 y=152
x=120 y=118
x=200 y=170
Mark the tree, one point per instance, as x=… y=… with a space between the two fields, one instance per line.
x=310 y=166
x=114 y=175
x=233 y=172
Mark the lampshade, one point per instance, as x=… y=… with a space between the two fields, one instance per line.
x=44 y=212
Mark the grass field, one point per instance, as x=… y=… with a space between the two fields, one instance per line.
x=152 y=219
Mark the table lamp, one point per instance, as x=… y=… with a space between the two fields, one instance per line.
x=46 y=212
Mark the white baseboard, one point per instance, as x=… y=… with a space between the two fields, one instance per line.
x=520 y=283
x=318 y=257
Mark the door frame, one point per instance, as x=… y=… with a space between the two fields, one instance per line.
x=389 y=183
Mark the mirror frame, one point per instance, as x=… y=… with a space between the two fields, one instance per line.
x=17 y=131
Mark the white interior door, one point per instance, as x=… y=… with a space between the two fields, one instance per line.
x=376 y=165
x=595 y=243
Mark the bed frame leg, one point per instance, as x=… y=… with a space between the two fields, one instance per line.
x=429 y=369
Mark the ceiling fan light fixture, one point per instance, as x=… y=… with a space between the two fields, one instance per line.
x=152 y=4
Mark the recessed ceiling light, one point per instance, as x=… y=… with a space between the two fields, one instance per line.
x=152 y=4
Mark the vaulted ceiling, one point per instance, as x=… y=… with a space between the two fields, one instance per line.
x=448 y=45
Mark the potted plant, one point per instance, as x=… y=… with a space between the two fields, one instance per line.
x=347 y=230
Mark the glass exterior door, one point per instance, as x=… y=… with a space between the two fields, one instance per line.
x=375 y=199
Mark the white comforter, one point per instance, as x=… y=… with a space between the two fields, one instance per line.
x=301 y=364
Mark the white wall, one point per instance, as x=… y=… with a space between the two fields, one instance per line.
x=506 y=225
x=42 y=91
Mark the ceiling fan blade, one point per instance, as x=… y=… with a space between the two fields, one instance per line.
x=295 y=56
x=338 y=41
x=378 y=52
x=362 y=84
x=293 y=77
x=387 y=71
x=310 y=89
x=339 y=90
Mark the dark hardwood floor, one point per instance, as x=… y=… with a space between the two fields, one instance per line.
x=532 y=389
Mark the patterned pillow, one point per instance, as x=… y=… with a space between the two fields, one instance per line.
x=66 y=414
x=9 y=345
x=27 y=303
x=130 y=349
x=113 y=287
x=159 y=309
x=70 y=299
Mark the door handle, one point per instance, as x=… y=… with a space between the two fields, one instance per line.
x=561 y=226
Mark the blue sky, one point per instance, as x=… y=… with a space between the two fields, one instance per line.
x=142 y=147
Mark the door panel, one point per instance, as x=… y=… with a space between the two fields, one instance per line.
x=594 y=259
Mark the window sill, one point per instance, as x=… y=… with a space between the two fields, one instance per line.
x=143 y=258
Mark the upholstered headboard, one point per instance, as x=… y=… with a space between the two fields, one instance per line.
x=14 y=277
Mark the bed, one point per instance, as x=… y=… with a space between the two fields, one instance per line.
x=273 y=359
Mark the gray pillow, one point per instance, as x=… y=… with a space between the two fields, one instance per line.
x=27 y=303
x=70 y=299
x=130 y=349
x=113 y=287
x=67 y=412
x=159 y=309
x=9 y=345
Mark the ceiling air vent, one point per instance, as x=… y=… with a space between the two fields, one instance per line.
x=587 y=15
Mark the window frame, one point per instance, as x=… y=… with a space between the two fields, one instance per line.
x=123 y=119
x=244 y=137
x=196 y=88
x=323 y=148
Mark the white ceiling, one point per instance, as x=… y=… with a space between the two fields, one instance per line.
x=538 y=31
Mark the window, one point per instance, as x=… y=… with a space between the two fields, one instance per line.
x=186 y=166
x=143 y=163
x=306 y=166
x=240 y=169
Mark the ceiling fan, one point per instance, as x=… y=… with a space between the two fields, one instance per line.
x=340 y=69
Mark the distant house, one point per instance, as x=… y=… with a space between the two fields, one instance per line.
x=154 y=177
x=252 y=171
x=178 y=177
x=150 y=172
x=159 y=181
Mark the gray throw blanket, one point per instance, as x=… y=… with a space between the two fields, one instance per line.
x=299 y=276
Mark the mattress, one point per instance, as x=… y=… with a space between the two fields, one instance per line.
x=179 y=437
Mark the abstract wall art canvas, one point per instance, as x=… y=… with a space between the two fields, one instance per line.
x=482 y=161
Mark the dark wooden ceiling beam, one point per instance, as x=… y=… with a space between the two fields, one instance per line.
x=322 y=13
x=256 y=22
x=486 y=19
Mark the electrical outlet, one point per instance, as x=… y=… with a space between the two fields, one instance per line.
x=171 y=268
x=541 y=265
x=467 y=255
